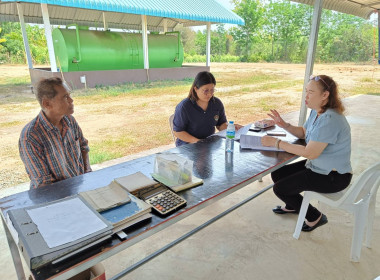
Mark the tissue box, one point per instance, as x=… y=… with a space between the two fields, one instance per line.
x=264 y=123
x=173 y=168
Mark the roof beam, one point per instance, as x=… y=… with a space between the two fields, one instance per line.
x=100 y=19
x=370 y=4
x=105 y=23
x=164 y=23
x=24 y=35
x=49 y=38
x=75 y=14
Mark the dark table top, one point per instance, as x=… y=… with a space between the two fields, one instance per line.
x=219 y=170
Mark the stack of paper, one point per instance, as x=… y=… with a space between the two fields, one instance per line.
x=117 y=205
x=128 y=214
x=106 y=197
x=53 y=231
x=135 y=182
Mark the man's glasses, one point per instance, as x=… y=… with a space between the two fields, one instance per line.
x=317 y=78
x=208 y=91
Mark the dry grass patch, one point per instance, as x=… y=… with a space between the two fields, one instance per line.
x=130 y=118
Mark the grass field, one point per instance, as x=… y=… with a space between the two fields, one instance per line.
x=130 y=118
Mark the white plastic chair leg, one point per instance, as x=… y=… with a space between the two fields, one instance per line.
x=371 y=217
x=301 y=216
x=359 y=227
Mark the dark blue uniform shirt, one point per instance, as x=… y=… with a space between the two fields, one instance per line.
x=191 y=118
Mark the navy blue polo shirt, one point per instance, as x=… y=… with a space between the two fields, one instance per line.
x=194 y=120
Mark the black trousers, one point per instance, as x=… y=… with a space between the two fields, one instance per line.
x=292 y=179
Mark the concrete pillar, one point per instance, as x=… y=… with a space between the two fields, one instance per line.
x=144 y=24
x=310 y=56
x=208 y=44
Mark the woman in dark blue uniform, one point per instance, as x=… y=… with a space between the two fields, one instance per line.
x=197 y=115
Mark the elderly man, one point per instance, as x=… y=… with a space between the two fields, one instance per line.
x=52 y=145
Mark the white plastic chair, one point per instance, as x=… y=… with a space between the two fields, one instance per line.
x=359 y=198
x=171 y=118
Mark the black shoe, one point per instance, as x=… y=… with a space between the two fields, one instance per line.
x=278 y=210
x=321 y=222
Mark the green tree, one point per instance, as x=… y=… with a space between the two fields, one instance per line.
x=245 y=35
x=200 y=42
x=287 y=26
x=219 y=40
x=2 y=40
x=344 y=37
x=38 y=45
x=188 y=40
x=12 y=50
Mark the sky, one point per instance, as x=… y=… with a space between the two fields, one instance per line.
x=226 y=3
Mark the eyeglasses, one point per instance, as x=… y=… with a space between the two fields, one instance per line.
x=208 y=91
x=317 y=78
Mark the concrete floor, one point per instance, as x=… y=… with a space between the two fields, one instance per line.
x=252 y=242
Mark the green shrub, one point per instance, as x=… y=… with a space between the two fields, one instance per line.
x=214 y=58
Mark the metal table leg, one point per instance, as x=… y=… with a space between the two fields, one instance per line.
x=190 y=233
x=14 y=252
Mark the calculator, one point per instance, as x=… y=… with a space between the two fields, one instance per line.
x=163 y=200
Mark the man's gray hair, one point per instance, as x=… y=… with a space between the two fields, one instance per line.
x=46 y=88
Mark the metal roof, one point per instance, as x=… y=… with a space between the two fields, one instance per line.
x=360 y=8
x=125 y=14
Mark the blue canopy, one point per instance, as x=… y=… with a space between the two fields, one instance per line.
x=123 y=13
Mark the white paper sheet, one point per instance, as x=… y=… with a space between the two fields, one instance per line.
x=65 y=221
x=254 y=143
x=242 y=131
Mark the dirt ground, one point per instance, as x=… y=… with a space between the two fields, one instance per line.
x=119 y=121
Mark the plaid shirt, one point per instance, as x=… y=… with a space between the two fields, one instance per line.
x=49 y=156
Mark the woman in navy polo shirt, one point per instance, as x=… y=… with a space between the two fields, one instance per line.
x=327 y=168
x=197 y=115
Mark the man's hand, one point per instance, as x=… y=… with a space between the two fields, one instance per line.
x=238 y=126
x=86 y=161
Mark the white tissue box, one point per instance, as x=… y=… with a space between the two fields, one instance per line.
x=175 y=169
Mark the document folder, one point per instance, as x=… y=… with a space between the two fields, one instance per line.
x=33 y=245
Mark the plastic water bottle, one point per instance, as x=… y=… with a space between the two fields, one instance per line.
x=230 y=136
x=229 y=164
